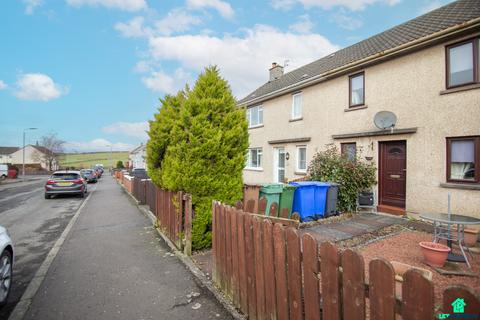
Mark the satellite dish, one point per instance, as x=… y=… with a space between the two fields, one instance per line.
x=385 y=119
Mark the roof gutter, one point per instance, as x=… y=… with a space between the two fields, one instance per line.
x=471 y=24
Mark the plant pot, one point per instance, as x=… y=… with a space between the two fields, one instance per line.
x=471 y=236
x=434 y=254
x=400 y=269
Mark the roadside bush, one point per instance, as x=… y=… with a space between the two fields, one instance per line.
x=200 y=147
x=353 y=176
x=120 y=164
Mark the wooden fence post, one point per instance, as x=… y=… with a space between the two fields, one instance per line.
x=188 y=225
x=462 y=295
x=235 y=268
x=250 y=261
x=214 y=239
x=382 y=290
x=259 y=275
x=353 y=283
x=310 y=274
x=242 y=264
x=228 y=249
x=329 y=266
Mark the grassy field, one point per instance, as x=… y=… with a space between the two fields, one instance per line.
x=87 y=160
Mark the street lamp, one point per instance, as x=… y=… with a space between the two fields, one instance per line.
x=110 y=155
x=23 y=163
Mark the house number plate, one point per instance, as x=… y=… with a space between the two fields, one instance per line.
x=395 y=176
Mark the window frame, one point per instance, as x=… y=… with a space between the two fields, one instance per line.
x=350 y=77
x=249 y=116
x=297 y=165
x=476 y=153
x=343 y=146
x=475 y=55
x=293 y=117
x=249 y=159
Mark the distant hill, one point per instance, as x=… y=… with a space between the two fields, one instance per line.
x=89 y=159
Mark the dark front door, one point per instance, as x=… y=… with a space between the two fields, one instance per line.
x=393 y=173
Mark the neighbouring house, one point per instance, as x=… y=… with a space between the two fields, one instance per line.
x=425 y=71
x=37 y=157
x=137 y=157
x=6 y=154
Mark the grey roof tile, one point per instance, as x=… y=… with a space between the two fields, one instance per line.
x=442 y=18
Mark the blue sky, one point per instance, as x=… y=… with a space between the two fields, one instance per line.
x=92 y=71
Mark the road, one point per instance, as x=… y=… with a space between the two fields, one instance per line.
x=34 y=225
x=113 y=265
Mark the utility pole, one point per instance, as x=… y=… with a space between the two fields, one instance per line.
x=23 y=162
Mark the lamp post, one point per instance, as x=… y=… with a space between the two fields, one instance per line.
x=23 y=162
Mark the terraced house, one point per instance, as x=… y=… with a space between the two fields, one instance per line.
x=425 y=71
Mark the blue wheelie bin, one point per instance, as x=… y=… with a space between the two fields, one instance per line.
x=309 y=199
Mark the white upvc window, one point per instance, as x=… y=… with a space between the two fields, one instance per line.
x=301 y=158
x=255 y=116
x=254 y=159
x=297 y=106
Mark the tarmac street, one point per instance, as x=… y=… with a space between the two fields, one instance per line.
x=113 y=265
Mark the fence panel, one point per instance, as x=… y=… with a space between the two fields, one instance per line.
x=353 y=280
x=235 y=267
x=250 y=261
x=310 y=274
x=242 y=264
x=228 y=244
x=329 y=266
x=280 y=252
x=294 y=256
x=259 y=275
x=382 y=290
x=269 y=270
x=417 y=296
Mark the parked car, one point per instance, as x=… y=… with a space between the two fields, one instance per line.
x=3 y=171
x=12 y=172
x=65 y=182
x=6 y=265
x=89 y=175
x=99 y=171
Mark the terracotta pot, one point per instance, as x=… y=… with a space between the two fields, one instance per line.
x=471 y=236
x=435 y=254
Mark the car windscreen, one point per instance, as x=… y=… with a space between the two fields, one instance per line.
x=65 y=176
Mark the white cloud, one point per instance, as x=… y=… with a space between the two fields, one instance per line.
x=346 y=21
x=96 y=145
x=243 y=60
x=132 y=129
x=175 y=21
x=142 y=66
x=328 y=4
x=125 y=5
x=134 y=28
x=223 y=8
x=37 y=86
x=3 y=85
x=31 y=5
x=303 y=25
x=163 y=82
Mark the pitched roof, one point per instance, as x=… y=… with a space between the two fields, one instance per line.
x=138 y=149
x=42 y=149
x=8 y=150
x=437 y=20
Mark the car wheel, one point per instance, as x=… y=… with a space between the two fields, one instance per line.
x=5 y=276
x=47 y=196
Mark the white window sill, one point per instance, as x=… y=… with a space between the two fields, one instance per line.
x=253 y=169
x=257 y=126
x=296 y=119
x=301 y=172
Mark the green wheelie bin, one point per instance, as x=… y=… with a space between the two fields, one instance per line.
x=272 y=192
x=286 y=200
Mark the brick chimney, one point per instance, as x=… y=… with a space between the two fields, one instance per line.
x=276 y=71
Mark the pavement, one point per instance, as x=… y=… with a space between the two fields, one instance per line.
x=359 y=224
x=34 y=224
x=113 y=265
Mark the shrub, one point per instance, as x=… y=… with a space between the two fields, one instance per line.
x=202 y=149
x=353 y=176
x=120 y=164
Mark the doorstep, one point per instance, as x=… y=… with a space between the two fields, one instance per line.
x=391 y=210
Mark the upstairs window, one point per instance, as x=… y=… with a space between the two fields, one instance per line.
x=463 y=159
x=462 y=61
x=301 y=158
x=255 y=116
x=297 y=106
x=254 y=158
x=357 y=89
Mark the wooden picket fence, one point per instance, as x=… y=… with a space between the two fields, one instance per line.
x=173 y=211
x=269 y=271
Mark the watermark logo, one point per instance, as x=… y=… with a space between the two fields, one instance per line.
x=458 y=305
